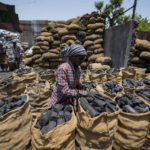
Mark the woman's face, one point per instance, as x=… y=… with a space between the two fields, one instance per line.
x=77 y=60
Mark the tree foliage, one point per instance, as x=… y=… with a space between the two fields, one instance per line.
x=144 y=23
x=114 y=10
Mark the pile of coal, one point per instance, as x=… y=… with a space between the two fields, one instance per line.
x=89 y=85
x=146 y=81
x=11 y=103
x=95 y=104
x=130 y=83
x=112 y=87
x=23 y=70
x=3 y=83
x=131 y=104
x=144 y=93
x=58 y=114
x=113 y=70
x=46 y=72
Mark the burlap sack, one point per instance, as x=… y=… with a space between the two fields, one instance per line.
x=99 y=31
x=95 y=133
x=142 y=44
x=73 y=26
x=68 y=37
x=103 y=60
x=28 y=61
x=43 y=38
x=39 y=96
x=87 y=43
x=99 y=78
x=145 y=55
x=40 y=43
x=139 y=73
x=98 y=67
x=94 y=57
x=61 y=137
x=25 y=77
x=128 y=74
x=114 y=77
x=95 y=26
x=49 y=55
x=14 y=88
x=98 y=41
x=137 y=60
x=44 y=48
x=46 y=34
x=93 y=37
x=47 y=77
x=15 y=128
x=132 y=131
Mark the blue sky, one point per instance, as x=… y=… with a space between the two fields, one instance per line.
x=66 y=9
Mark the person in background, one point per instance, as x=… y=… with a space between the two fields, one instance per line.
x=3 y=58
x=67 y=85
x=17 y=51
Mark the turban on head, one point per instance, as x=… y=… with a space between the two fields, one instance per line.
x=73 y=50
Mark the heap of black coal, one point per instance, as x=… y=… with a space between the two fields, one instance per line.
x=23 y=70
x=56 y=115
x=131 y=104
x=112 y=87
x=95 y=104
x=3 y=83
x=11 y=103
x=144 y=93
x=89 y=85
x=130 y=83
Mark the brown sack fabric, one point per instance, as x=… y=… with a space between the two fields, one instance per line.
x=12 y=88
x=26 y=78
x=39 y=96
x=15 y=128
x=95 y=133
x=132 y=131
x=61 y=137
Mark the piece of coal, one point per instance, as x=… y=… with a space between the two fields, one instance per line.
x=57 y=107
x=61 y=114
x=129 y=109
x=87 y=107
x=60 y=121
x=43 y=119
x=68 y=108
x=50 y=126
x=1 y=103
x=67 y=115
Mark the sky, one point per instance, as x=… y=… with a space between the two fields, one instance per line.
x=67 y=9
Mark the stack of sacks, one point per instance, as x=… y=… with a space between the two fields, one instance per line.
x=141 y=56
x=86 y=30
x=97 y=62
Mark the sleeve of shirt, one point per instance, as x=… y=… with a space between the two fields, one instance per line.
x=79 y=85
x=63 y=84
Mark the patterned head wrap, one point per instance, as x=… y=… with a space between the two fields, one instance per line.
x=73 y=50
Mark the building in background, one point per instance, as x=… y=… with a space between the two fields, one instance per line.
x=9 y=20
x=31 y=29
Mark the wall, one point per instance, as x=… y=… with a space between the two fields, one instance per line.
x=31 y=29
x=117 y=41
x=8 y=18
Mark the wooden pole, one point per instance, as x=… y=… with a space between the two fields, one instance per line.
x=134 y=8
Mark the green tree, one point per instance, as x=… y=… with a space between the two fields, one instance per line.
x=99 y=5
x=144 y=23
x=114 y=9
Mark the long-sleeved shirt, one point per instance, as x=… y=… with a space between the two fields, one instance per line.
x=17 y=51
x=67 y=81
